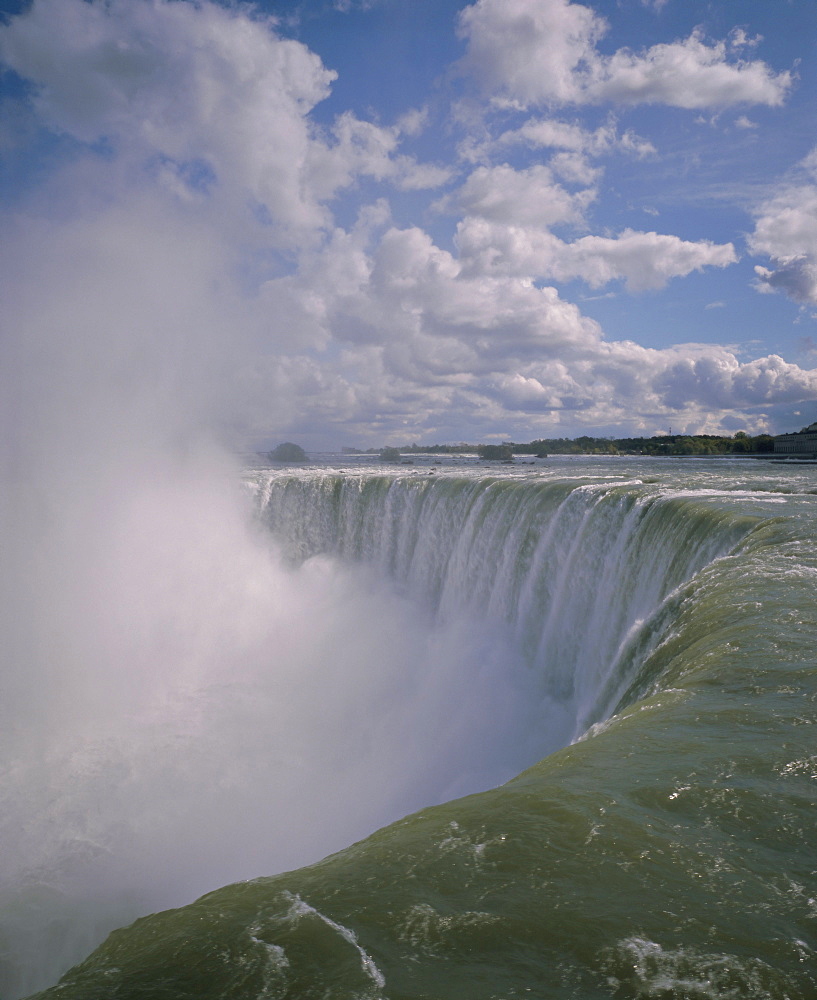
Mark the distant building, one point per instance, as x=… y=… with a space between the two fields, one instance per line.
x=803 y=444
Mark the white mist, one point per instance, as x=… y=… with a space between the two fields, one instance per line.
x=179 y=709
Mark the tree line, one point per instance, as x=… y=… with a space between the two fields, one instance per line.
x=667 y=444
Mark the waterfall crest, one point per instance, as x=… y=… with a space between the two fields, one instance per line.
x=579 y=575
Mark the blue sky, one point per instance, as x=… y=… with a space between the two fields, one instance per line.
x=381 y=222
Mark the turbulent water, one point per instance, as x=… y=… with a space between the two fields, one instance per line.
x=629 y=645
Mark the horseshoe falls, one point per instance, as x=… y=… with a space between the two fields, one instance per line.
x=450 y=730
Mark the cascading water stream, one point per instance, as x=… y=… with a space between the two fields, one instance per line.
x=575 y=576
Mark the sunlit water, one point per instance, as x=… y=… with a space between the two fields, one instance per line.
x=633 y=638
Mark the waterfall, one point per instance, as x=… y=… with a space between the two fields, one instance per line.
x=635 y=857
x=579 y=576
x=260 y=695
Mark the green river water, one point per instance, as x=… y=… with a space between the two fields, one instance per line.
x=657 y=707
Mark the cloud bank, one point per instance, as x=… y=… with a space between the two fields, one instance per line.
x=190 y=239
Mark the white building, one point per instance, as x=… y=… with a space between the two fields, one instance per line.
x=803 y=444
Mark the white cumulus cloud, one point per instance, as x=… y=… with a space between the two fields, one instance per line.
x=205 y=95
x=532 y=196
x=786 y=231
x=199 y=84
x=718 y=380
x=544 y=52
x=507 y=231
x=552 y=132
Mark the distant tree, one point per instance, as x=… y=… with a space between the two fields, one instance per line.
x=496 y=452
x=665 y=444
x=287 y=452
x=389 y=454
x=741 y=442
x=684 y=446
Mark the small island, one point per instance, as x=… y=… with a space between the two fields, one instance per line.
x=495 y=452
x=287 y=453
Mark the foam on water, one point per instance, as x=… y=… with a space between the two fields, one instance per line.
x=644 y=970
